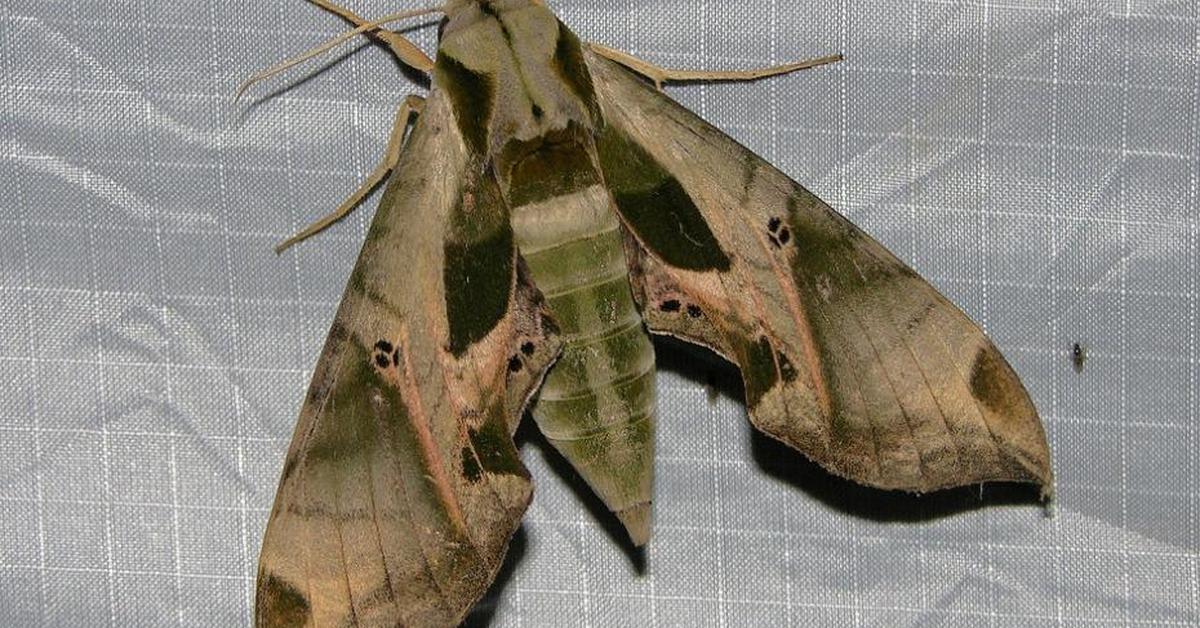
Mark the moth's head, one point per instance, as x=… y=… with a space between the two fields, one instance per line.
x=461 y=14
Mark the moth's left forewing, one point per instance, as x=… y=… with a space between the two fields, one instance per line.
x=402 y=486
x=845 y=352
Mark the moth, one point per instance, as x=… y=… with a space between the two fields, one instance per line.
x=548 y=212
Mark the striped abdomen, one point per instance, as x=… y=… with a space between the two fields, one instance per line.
x=597 y=403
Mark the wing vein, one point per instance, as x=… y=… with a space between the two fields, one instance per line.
x=337 y=525
x=921 y=465
x=937 y=403
x=428 y=448
x=383 y=558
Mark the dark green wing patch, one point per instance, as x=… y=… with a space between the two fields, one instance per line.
x=282 y=604
x=568 y=61
x=656 y=207
x=479 y=264
x=494 y=448
x=993 y=381
x=759 y=372
x=471 y=97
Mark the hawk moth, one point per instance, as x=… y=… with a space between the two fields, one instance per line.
x=548 y=212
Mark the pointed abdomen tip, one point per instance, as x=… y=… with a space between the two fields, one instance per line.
x=637 y=520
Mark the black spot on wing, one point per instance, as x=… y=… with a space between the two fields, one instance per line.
x=777 y=233
x=670 y=305
x=471 y=469
x=694 y=310
x=385 y=355
x=527 y=348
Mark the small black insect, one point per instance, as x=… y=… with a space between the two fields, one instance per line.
x=1078 y=356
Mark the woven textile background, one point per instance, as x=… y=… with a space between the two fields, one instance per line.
x=1036 y=160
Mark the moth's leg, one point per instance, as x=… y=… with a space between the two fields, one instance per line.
x=405 y=50
x=411 y=106
x=661 y=75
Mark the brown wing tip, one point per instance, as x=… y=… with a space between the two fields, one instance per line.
x=637 y=520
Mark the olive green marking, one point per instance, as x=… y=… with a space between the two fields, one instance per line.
x=993 y=382
x=282 y=604
x=471 y=96
x=349 y=429
x=819 y=247
x=494 y=447
x=550 y=169
x=656 y=207
x=478 y=280
x=758 y=370
x=824 y=241
x=569 y=63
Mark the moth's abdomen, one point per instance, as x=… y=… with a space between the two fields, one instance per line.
x=597 y=403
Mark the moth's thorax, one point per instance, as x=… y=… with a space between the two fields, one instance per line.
x=513 y=73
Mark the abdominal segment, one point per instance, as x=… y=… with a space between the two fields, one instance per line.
x=597 y=403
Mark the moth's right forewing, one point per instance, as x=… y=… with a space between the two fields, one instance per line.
x=846 y=353
x=402 y=487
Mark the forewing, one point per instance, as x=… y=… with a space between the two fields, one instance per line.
x=846 y=353
x=402 y=486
